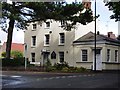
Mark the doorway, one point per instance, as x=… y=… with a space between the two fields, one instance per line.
x=98 y=60
x=45 y=57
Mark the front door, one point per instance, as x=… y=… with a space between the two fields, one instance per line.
x=98 y=60
x=45 y=57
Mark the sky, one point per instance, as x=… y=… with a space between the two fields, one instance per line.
x=104 y=24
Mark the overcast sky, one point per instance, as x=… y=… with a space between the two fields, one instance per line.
x=105 y=23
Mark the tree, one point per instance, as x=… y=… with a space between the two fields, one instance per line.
x=14 y=54
x=19 y=13
x=115 y=7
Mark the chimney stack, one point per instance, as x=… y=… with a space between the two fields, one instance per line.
x=87 y=4
x=111 y=35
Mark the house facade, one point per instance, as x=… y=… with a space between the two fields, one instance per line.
x=107 y=51
x=48 y=40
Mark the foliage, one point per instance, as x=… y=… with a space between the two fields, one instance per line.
x=115 y=7
x=3 y=54
x=14 y=54
x=13 y=62
x=60 y=66
x=20 y=13
x=48 y=65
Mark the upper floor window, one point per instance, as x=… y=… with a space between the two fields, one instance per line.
x=108 y=54
x=47 y=39
x=62 y=38
x=33 y=57
x=84 y=55
x=62 y=23
x=53 y=55
x=61 y=57
x=116 y=55
x=34 y=26
x=33 y=40
x=47 y=24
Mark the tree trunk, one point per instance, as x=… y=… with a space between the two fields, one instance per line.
x=9 y=37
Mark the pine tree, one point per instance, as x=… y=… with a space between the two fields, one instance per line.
x=20 y=13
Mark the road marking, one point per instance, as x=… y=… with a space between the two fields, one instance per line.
x=63 y=77
x=16 y=76
x=79 y=75
x=12 y=83
x=85 y=75
x=57 y=77
x=45 y=78
x=70 y=76
x=74 y=76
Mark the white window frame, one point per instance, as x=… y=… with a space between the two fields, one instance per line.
x=34 y=27
x=116 y=55
x=45 y=44
x=60 y=56
x=61 y=39
x=84 y=55
x=32 y=58
x=32 y=44
x=108 y=55
x=46 y=25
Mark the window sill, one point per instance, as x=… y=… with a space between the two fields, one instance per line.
x=84 y=62
x=61 y=44
x=33 y=29
x=47 y=28
x=33 y=46
x=46 y=45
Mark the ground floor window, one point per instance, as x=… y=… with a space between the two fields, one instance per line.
x=61 y=56
x=33 y=57
x=108 y=54
x=116 y=55
x=84 y=55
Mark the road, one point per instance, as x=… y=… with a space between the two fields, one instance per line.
x=15 y=79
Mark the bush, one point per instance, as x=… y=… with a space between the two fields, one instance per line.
x=3 y=54
x=14 y=54
x=65 y=69
x=60 y=66
x=14 y=62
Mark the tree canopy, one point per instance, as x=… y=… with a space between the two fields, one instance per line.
x=17 y=14
x=115 y=7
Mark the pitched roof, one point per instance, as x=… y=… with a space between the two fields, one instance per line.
x=15 y=46
x=89 y=37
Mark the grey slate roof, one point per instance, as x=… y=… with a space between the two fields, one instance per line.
x=89 y=37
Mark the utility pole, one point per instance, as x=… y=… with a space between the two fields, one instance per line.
x=95 y=41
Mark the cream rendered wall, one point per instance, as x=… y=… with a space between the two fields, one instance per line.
x=112 y=52
x=88 y=64
x=54 y=42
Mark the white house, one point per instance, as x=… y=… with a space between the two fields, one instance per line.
x=47 y=40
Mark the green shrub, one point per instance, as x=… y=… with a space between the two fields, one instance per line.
x=65 y=69
x=60 y=66
x=3 y=54
x=14 y=62
x=14 y=54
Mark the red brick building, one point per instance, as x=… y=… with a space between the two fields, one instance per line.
x=14 y=47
